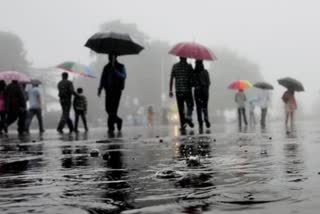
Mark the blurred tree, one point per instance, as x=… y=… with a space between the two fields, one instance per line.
x=12 y=52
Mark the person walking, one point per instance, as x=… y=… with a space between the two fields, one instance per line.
x=290 y=106
x=35 y=107
x=252 y=106
x=181 y=73
x=201 y=83
x=3 y=126
x=66 y=91
x=80 y=109
x=240 y=99
x=16 y=105
x=113 y=82
x=263 y=101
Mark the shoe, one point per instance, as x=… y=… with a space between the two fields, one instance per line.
x=42 y=131
x=190 y=123
x=208 y=125
x=119 y=125
x=60 y=131
x=76 y=131
x=86 y=129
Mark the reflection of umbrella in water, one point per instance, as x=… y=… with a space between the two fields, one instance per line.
x=240 y=85
x=113 y=43
x=192 y=50
x=76 y=68
x=291 y=83
x=263 y=85
x=14 y=75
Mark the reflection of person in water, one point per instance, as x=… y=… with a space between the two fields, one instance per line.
x=115 y=172
x=294 y=163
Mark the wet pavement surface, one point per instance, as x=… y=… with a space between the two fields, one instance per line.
x=156 y=170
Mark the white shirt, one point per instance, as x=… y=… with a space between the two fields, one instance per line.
x=34 y=98
x=264 y=99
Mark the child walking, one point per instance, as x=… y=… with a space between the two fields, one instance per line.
x=80 y=109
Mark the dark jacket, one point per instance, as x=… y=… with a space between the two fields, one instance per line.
x=80 y=103
x=66 y=90
x=113 y=78
x=15 y=99
x=201 y=79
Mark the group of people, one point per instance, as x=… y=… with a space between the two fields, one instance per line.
x=13 y=106
x=191 y=86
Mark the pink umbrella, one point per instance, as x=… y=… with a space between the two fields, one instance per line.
x=192 y=50
x=14 y=75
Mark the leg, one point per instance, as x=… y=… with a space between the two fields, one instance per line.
x=22 y=122
x=84 y=120
x=190 y=104
x=76 y=121
x=292 y=120
x=205 y=107
x=117 y=120
x=40 y=121
x=29 y=119
x=239 y=117
x=109 y=105
x=244 y=116
x=180 y=104
x=62 y=121
x=199 y=108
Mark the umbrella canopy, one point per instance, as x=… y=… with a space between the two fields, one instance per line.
x=77 y=68
x=263 y=85
x=111 y=42
x=240 y=85
x=192 y=50
x=14 y=75
x=289 y=82
x=35 y=82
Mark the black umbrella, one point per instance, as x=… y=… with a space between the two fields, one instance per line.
x=110 y=42
x=291 y=83
x=263 y=85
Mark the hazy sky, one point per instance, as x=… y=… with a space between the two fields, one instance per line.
x=282 y=36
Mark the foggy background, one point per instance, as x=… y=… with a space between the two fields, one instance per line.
x=254 y=40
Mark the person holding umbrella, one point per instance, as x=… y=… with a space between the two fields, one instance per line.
x=182 y=73
x=114 y=73
x=290 y=103
x=290 y=106
x=240 y=98
x=201 y=83
x=113 y=82
x=263 y=100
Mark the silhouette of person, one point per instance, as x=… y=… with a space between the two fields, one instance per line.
x=16 y=105
x=240 y=99
x=182 y=73
x=113 y=82
x=80 y=109
x=201 y=83
x=66 y=90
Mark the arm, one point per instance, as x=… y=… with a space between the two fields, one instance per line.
x=85 y=104
x=102 y=80
x=171 y=83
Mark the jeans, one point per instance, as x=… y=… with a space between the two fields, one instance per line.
x=263 y=116
x=242 y=113
x=3 y=122
x=65 y=117
x=201 y=96
x=82 y=114
x=182 y=99
x=38 y=114
x=112 y=104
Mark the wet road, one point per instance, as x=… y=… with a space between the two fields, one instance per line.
x=159 y=171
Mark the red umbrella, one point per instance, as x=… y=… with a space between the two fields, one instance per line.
x=192 y=50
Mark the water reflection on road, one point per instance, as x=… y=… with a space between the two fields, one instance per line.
x=160 y=171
